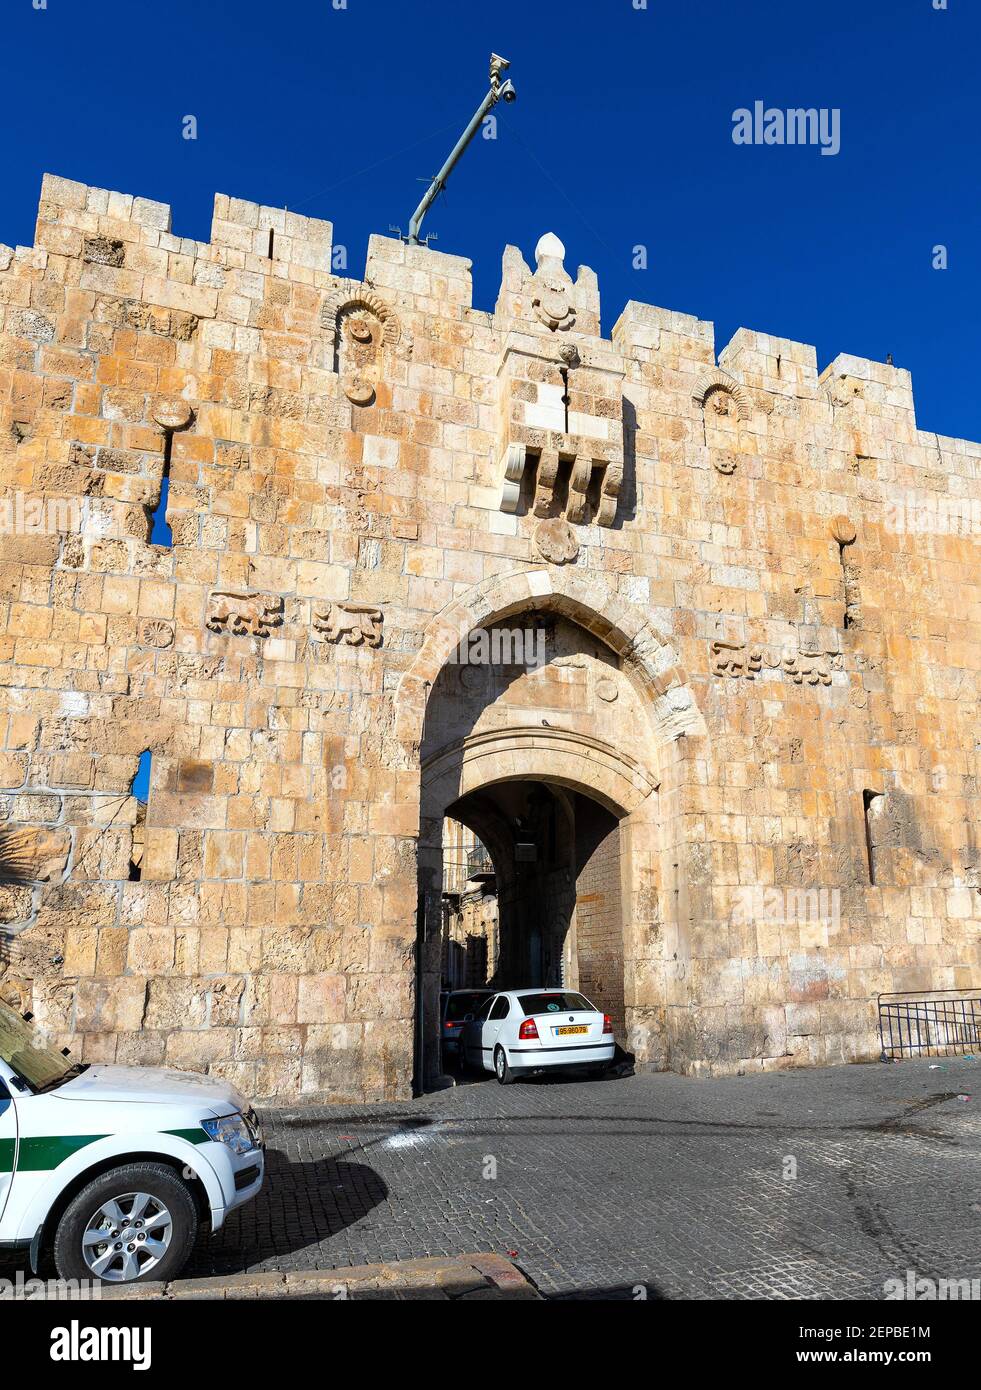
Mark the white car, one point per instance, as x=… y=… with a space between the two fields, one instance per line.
x=521 y=1032
x=115 y=1167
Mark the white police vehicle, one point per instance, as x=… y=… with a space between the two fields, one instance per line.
x=115 y=1168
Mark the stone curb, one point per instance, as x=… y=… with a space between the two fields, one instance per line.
x=479 y=1276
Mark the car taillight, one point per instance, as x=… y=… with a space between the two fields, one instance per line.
x=454 y=1023
x=528 y=1029
x=607 y=1024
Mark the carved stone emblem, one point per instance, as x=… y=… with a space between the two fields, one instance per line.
x=556 y=541
x=358 y=389
x=725 y=463
x=171 y=412
x=552 y=285
x=363 y=326
x=243 y=615
x=843 y=529
x=351 y=624
x=722 y=393
x=156 y=633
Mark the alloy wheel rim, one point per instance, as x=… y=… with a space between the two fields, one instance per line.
x=127 y=1236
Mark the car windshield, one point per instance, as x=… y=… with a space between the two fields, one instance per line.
x=558 y=1002
x=22 y=1047
x=463 y=1003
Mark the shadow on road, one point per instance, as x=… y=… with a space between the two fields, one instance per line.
x=301 y=1204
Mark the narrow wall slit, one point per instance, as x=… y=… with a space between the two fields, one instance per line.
x=868 y=797
x=140 y=791
x=160 y=532
x=850 y=586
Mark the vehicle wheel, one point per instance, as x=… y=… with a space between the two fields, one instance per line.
x=135 y=1222
x=502 y=1071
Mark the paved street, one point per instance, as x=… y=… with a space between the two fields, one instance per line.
x=674 y=1184
x=659 y=1181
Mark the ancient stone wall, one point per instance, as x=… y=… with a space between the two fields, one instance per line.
x=781 y=565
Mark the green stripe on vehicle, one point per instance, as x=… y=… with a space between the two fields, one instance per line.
x=193 y=1136
x=41 y=1153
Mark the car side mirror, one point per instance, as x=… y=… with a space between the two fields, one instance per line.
x=468 y=1018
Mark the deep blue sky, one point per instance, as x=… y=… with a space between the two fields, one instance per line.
x=621 y=135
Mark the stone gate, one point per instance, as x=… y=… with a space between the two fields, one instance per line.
x=251 y=513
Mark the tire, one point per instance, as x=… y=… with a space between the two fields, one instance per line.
x=163 y=1228
x=502 y=1071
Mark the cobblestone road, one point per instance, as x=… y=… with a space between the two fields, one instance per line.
x=661 y=1181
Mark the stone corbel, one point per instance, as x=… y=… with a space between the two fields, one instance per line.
x=548 y=472
x=609 y=494
x=579 y=479
x=513 y=462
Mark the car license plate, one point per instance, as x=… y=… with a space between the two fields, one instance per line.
x=577 y=1028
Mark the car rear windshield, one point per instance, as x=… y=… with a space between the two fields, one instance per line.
x=558 y=1003
x=459 y=1005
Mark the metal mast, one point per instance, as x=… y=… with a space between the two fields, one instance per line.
x=498 y=91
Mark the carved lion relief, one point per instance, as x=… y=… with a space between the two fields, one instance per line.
x=243 y=615
x=742 y=660
x=352 y=624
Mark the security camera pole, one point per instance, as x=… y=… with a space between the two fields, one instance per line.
x=498 y=90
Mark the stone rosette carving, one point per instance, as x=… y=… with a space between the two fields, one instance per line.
x=843 y=529
x=725 y=463
x=607 y=690
x=350 y=624
x=243 y=615
x=155 y=632
x=556 y=541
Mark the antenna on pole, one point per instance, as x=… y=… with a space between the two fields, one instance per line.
x=498 y=91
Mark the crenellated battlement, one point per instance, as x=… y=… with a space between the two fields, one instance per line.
x=129 y=249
